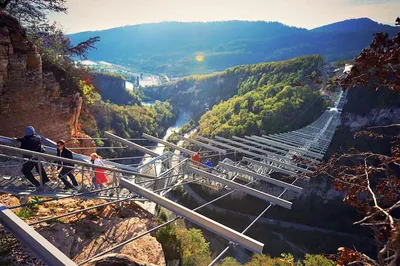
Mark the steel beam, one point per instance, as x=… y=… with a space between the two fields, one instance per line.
x=293 y=143
x=131 y=144
x=201 y=144
x=253 y=148
x=261 y=177
x=303 y=153
x=283 y=164
x=196 y=218
x=304 y=135
x=251 y=191
x=39 y=245
x=297 y=136
x=289 y=147
x=271 y=167
x=317 y=128
x=167 y=144
x=249 y=140
x=291 y=137
x=152 y=161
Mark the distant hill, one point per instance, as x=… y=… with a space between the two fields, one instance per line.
x=171 y=47
x=352 y=25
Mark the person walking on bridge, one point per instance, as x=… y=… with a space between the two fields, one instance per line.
x=99 y=178
x=209 y=164
x=196 y=160
x=67 y=168
x=32 y=142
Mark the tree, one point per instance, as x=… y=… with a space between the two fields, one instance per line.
x=284 y=260
x=30 y=12
x=55 y=48
x=229 y=261
x=378 y=65
x=317 y=260
x=194 y=248
x=371 y=180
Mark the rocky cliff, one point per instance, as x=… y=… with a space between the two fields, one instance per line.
x=82 y=236
x=112 y=88
x=30 y=95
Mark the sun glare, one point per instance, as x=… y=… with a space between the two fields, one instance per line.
x=200 y=57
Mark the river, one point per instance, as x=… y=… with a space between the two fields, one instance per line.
x=183 y=118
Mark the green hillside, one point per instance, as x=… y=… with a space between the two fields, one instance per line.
x=266 y=96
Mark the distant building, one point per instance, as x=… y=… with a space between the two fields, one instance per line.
x=347 y=69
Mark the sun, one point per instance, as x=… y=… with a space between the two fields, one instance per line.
x=200 y=58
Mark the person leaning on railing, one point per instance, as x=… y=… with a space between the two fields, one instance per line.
x=32 y=142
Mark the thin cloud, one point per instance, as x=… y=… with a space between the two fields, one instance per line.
x=369 y=2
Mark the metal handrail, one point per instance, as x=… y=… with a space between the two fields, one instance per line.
x=70 y=161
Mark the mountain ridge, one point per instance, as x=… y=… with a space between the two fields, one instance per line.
x=225 y=21
x=353 y=24
x=171 y=47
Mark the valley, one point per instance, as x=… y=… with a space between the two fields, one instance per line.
x=220 y=142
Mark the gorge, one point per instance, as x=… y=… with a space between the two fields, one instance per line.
x=164 y=81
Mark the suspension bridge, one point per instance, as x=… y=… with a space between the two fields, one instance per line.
x=159 y=173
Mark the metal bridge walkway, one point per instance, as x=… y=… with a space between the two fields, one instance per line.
x=289 y=154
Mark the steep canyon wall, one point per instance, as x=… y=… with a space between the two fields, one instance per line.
x=28 y=94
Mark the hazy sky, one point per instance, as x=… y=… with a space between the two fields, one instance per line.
x=86 y=15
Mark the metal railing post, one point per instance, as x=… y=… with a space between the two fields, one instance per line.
x=114 y=183
x=40 y=173
x=82 y=175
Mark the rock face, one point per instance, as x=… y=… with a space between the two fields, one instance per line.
x=29 y=95
x=376 y=117
x=87 y=234
x=112 y=88
x=117 y=259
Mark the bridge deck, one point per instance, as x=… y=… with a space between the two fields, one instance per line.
x=19 y=186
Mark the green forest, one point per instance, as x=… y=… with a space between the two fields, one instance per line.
x=126 y=121
x=269 y=109
x=191 y=249
x=251 y=99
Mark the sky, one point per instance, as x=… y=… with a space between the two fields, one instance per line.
x=85 y=15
